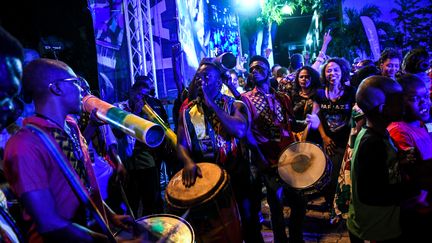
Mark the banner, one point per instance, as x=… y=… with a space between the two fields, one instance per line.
x=111 y=49
x=372 y=36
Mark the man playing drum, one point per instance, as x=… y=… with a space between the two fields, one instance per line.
x=271 y=126
x=210 y=129
x=32 y=166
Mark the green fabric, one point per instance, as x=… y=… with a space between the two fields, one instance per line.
x=373 y=222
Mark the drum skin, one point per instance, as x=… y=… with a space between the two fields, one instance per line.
x=213 y=211
x=304 y=166
x=179 y=229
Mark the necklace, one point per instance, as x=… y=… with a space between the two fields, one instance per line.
x=334 y=96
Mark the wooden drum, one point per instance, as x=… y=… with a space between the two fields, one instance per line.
x=213 y=211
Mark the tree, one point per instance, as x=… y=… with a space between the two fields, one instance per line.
x=271 y=13
x=350 y=40
x=414 y=21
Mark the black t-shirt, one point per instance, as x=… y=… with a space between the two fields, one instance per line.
x=335 y=115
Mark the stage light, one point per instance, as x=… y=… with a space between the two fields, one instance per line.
x=247 y=5
x=309 y=40
x=287 y=9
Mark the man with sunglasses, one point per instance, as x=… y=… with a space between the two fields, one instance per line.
x=272 y=120
x=52 y=206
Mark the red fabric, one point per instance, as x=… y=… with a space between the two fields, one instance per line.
x=29 y=166
x=407 y=136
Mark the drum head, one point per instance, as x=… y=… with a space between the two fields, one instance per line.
x=301 y=165
x=162 y=224
x=213 y=178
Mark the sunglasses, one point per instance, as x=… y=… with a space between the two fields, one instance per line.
x=81 y=82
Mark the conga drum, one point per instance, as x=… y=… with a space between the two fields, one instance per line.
x=175 y=228
x=305 y=167
x=213 y=215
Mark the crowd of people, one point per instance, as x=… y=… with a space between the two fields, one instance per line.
x=78 y=179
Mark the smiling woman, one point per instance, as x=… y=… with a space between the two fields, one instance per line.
x=333 y=105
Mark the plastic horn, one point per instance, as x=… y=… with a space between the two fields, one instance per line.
x=158 y=120
x=226 y=60
x=145 y=131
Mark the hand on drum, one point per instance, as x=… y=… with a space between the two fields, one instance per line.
x=329 y=145
x=189 y=174
x=313 y=120
x=122 y=221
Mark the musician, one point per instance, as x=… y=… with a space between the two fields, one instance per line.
x=11 y=59
x=141 y=162
x=51 y=204
x=272 y=122
x=210 y=129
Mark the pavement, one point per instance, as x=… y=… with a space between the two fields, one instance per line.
x=317 y=226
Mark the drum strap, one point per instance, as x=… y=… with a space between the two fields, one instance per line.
x=72 y=179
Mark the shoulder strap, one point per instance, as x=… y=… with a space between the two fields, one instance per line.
x=72 y=179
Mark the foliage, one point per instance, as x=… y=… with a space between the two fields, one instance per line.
x=414 y=20
x=271 y=10
x=350 y=40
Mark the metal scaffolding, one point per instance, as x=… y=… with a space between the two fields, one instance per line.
x=139 y=34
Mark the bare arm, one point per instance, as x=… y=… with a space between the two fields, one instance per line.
x=321 y=56
x=235 y=124
x=328 y=143
x=40 y=205
x=190 y=170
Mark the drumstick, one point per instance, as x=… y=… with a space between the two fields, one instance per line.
x=123 y=194
x=305 y=133
x=166 y=236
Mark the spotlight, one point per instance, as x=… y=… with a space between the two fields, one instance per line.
x=247 y=5
x=287 y=9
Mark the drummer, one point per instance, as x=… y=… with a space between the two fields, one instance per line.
x=51 y=205
x=271 y=131
x=210 y=129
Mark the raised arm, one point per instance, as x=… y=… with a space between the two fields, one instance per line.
x=322 y=54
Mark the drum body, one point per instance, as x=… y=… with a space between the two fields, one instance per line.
x=213 y=210
x=179 y=230
x=304 y=166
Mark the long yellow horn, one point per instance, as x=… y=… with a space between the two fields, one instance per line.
x=172 y=137
x=145 y=131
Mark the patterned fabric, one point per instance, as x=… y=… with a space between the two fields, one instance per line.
x=73 y=153
x=268 y=111
x=216 y=144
